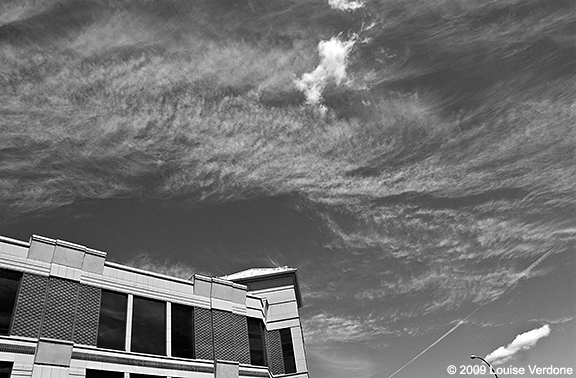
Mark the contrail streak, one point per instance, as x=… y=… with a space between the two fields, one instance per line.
x=429 y=347
x=527 y=270
x=462 y=321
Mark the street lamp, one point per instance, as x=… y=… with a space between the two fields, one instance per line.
x=486 y=362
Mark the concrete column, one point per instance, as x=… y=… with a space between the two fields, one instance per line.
x=129 y=313
x=169 y=329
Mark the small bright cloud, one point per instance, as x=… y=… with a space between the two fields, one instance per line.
x=345 y=4
x=332 y=68
x=524 y=341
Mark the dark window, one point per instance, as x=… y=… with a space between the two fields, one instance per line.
x=112 y=323
x=149 y=326
x=9 y=283
x=5 y=369
x=287 y=351
x=103 y=374
x=182 y=331
x=256 y=340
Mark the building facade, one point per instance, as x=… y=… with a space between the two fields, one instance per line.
x=66 y=312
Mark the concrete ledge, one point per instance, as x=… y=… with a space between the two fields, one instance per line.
x=41 y=248
x=93 y=263
x=239 y=294
x=219 y=304
x=65 y=253
x=202 y=285
x=96 y=252
x=54 y=352
x=8 y=240
x=69 y=254
x=222 y=289
x=226 y=369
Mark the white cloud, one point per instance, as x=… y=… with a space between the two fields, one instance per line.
x=345 y=4
x=332 y=68
x=524 y=341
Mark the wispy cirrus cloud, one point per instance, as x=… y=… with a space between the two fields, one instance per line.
x=340 y=363
x=154 y=263
x=429 y=210
x=323 y=327
x=493 y=324
x=432 y=256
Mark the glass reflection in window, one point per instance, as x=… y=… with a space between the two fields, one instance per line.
x=5 y=369
x=287 y=351
x=112 y=323
x=103 y=374
x=182 y=331
x=149 y=326
x=256 y=340
x=9 y=283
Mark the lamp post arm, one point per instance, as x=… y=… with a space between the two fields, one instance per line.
x=486 y=362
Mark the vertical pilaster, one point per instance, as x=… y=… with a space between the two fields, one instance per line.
x=23 y=365
x=129 y=314
x=169 y=329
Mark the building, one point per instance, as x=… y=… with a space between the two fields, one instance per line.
x=66 y=312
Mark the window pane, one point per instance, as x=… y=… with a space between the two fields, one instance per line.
x=182 y=331
x=287 y=351
x=103 y=374
x=5 y=369
x=134 y=375
x=149 y=326
x=256 y=340
x=254 y=326
x=9 y=283
x=112 y=323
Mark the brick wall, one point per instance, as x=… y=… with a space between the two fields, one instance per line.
x=203 y=333
x=274 y=346
x=60 y=309
x=87 y=313
x=30 y=306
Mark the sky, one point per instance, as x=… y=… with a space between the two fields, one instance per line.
x=414 y=159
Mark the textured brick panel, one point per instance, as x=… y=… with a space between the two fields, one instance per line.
x=30 y=305
x=224 y=348
x=241 y=343
x=21 y=349
x=87 y=312
x=203 y=333
x=58 y=321
x=275 y=358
